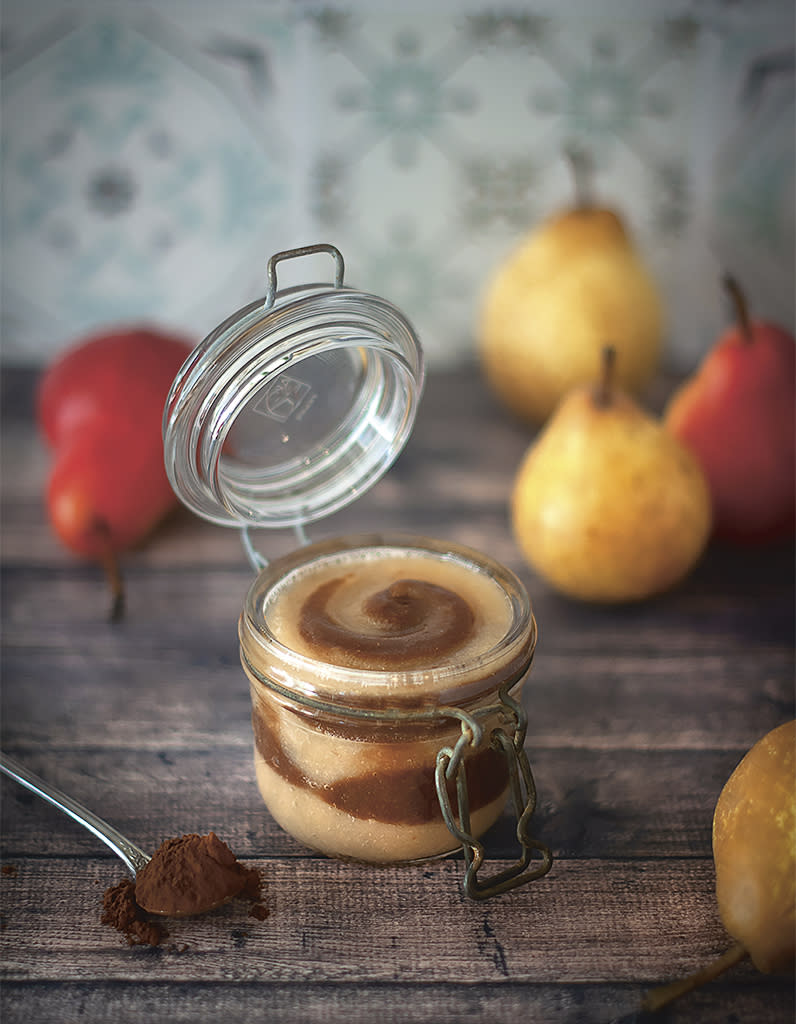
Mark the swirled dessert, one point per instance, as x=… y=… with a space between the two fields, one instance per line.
x=366 y=659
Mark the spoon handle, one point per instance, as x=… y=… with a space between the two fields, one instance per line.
x=133 y=857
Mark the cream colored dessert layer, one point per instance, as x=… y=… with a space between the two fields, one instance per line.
x=304 y=813
x=366 y=795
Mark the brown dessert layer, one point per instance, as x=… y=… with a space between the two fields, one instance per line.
x=392 y=789
x=402 y=625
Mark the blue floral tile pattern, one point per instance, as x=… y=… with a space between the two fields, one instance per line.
x=154 y=156
x=133 y=187
x=456 y=134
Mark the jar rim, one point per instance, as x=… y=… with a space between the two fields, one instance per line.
x=459 y=683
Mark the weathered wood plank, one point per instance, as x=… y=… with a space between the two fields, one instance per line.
x=637 y=716
x=356 y=1003
x=601 y=921
x=170 y=683
x=591 y=804
x=714 y=615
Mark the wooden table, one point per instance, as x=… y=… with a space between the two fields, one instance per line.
x=637 y=716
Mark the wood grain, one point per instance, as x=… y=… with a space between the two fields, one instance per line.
x=341 y=922
x=446 y=1003
x=592 y=804
x=637 y=715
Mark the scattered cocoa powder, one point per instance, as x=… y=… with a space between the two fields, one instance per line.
x=259 y=911
x=120 y=910
x=188 y=875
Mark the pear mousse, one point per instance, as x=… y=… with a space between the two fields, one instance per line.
x=360 y=659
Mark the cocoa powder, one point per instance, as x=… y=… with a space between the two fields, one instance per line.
x=188 y=875
x=120 y=910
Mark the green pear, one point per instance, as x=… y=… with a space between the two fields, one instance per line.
x=574 y=281
x=607 y=505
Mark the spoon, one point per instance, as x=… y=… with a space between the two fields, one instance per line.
x=134 y=858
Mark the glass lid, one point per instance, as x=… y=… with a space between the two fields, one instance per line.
x=293 y=406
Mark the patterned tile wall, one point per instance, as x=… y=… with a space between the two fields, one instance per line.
x=155 y=154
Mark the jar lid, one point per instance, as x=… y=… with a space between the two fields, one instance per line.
x=293 y=406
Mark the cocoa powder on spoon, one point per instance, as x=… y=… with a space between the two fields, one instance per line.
x=187 y=875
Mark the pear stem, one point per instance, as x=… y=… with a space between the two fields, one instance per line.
x=739 y=305
x=110 y=564
x=582 y=168
x=604 y=394
x=659 y=997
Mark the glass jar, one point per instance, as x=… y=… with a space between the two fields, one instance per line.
x=385 y=670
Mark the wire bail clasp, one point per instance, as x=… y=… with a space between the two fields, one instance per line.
x=257 y=560
x=450 y=766
x=305 y=250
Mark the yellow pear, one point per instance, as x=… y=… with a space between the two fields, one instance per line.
x=574 y=281
x=607 y=505
x=754 y=851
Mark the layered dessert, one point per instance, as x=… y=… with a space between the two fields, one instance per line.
x=357 y=651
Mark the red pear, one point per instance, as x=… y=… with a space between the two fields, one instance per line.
x=100 y=406
x=737 y=414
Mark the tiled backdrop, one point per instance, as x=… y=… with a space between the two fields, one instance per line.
x=155 y=154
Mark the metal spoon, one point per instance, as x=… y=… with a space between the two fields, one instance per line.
x=134 y=858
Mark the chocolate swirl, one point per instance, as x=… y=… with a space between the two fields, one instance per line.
x=407 y=623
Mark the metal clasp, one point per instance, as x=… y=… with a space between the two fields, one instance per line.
x=256 y=559
x=450 y=766
x=289 y=254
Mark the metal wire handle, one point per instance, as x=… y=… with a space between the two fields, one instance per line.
x=289 y=254
x=450 y=765
x=256 y=559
